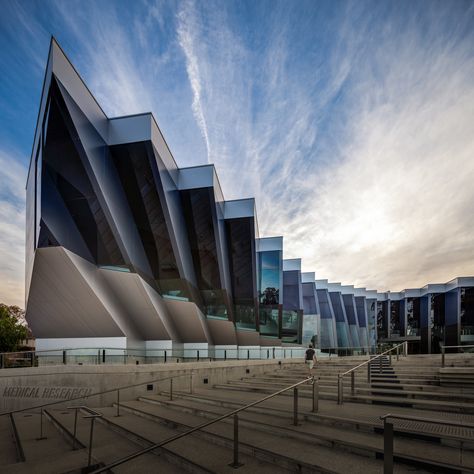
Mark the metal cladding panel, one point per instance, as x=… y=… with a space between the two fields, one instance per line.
x=142 y=305
x=247 y=338
x=68 y=300
x=78 y=91
x=239 y=208
x=196 y=177
x=189 y=321
x=131 y=129
x=267 y=244
x=222 y=332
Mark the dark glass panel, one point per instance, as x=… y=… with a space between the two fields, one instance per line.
x=467 y=315
x=382 y=308
x=413 y=317
x=360 y=307
x=395 y=323
x=65 y=178
x=241 y=257
x=437 y=310
x=349 y=307
x=199 y=213
x=136 y=175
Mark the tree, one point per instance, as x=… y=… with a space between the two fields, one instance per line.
x=13 y=327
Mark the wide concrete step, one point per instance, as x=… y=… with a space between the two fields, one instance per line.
x=296 y=453
x=109 y=444
x=368 y=442
x=387 y=399
x=8 y=449
x=373 y=388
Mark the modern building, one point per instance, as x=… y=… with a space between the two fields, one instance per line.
x=124 y=249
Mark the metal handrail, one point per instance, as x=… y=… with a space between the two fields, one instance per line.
x=395 y=416
x=340 y=386
x=110 y=390
x=372 y=359
x=388 y=434
x=233 y=413
x=443 y=349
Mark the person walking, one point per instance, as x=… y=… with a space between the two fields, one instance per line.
x=310 y=359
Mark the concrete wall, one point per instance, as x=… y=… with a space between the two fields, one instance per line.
x=30 y=387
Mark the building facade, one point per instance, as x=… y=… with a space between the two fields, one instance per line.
x=124 y=249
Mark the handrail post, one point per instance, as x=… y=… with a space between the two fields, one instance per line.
x=442 y=356
x=118 y=403
x=235 y=463
x=340 y=388
x=41 y=427
x=380 y=364
x=295 y=406
x=353 y=382
x=91 y=435
x=64 y=357
x=405 y=348
x=398 y=352
x=171 y=390
x=74 y=437
x=191 y=383
x=390 y=358
x=368 y=371
x=315 y=395
x=387 y=447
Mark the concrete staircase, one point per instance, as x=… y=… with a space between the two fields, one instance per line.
x=338 y=438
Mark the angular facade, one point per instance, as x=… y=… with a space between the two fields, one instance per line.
x=124 y=249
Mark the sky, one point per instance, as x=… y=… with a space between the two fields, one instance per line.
x=350 y=122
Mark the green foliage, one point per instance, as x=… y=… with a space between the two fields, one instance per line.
x=12 y=328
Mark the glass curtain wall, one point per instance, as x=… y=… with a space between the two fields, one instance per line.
x=342 y=329
x=269 y=285
x=241 y=255
x=200 y=216
x=372 y=322
x=382 y=320
x=413 y=317
x=350 y=310
x=437 y=321
x=395 y=319
x=467 y=315
x=328 y=338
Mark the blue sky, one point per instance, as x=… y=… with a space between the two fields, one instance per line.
x=352 y=123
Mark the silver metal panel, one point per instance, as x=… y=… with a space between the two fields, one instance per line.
x=239 y=208
x=265 y=244
x=134 y=128
x=307 y=277
x=290 y=264
x=64 y=299
x=189 y=321
x=222 y=332
x=196 y=177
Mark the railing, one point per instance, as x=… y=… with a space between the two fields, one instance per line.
x=92 y=416
x=234 y=413
x=110 y=355
x=443 y=351
x=388 y=434
x=340 y=379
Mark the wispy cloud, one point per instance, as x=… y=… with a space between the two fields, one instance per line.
x=363 y=160
x=12 y=225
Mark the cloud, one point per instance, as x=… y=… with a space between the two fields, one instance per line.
x=12 y=225
x=361 y=158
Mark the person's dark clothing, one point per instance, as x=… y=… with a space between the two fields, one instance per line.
x=310 y=354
